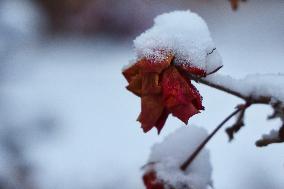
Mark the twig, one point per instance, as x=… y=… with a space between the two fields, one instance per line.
x=267 y=141
x=201 y=146
x=237 y=126
x=214 y=71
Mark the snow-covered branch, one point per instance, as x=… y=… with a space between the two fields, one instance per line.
x=254 y=89
x=258 y=88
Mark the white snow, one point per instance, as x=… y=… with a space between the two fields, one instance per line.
x=274 y=134
x=81 y=84
x=183 y=34
x=174 y=150
x=22 y=17
x=255 y=85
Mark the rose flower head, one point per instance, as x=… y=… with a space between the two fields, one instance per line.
x=166 y=54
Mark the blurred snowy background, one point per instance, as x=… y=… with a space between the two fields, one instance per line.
x=66 y=120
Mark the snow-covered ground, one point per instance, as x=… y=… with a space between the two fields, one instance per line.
x=96 y=142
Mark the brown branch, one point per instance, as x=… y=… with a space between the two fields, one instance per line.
x=214 y=71
x=267 y=141
x=236 y=126
x=184 y=166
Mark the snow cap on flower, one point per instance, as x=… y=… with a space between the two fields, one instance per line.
x=163 y=170
x=183 y=34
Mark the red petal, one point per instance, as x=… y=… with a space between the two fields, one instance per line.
x=150 y=84
x=197 y=98
x=197 y=101
x=179 y=95
x=184 y=112
x=151 y=182
x=162 y=120
x=131 y=72
x=191 y=70
x=148 y=65
x=135 y=85
x=151 y=110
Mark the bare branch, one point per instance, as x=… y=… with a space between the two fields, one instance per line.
x=237 y=126
x=266 y=141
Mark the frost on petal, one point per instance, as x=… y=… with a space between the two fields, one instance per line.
x=167 y=156
x=183 y=34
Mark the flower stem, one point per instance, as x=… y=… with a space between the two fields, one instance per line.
x=184 y=166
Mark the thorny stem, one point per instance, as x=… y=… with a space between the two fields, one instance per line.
x=184 y=166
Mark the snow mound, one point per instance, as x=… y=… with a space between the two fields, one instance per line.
x=174 y=150
x=183 y=34
x=255 y=85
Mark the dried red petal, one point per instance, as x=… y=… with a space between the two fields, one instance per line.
x=135 y=84
x=184 y=112
x=162 y=120
x=179 y=97
x=151 y=182
x=197 y=101
x=191 y=70
x=150 y=84
x=151 y=110
x=148 y=65
x=130 y=72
